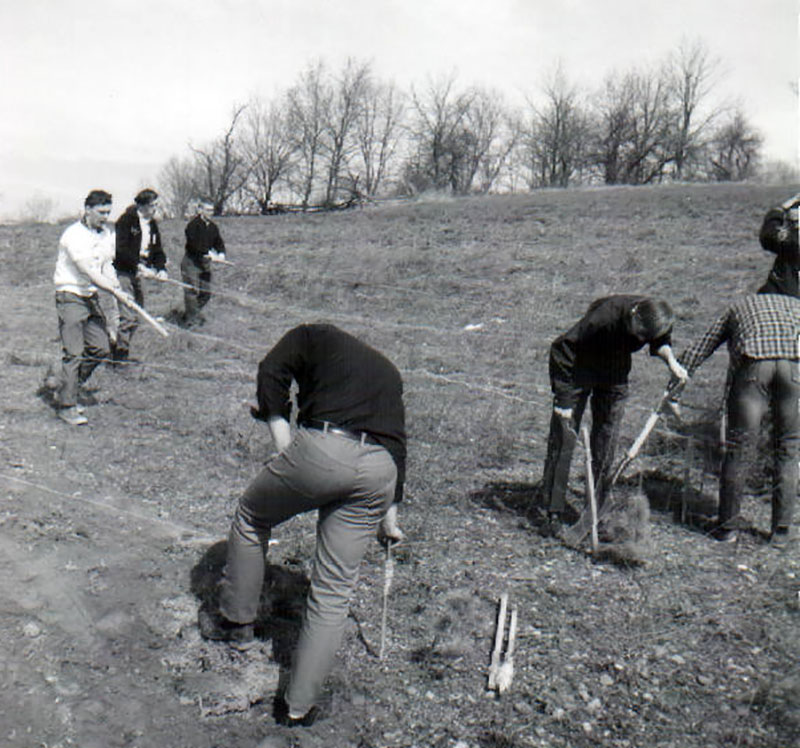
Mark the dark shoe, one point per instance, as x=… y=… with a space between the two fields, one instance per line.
x=781 y=537
x=725 y=535
x=195 y=320
x=215 y=627
x=282 y=715
x=553 y=525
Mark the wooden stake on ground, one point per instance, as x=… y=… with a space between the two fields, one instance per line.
x=505 y=673
x=499 y=634
x=590 y=487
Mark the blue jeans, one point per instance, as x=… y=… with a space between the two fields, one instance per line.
x=756 y=386
x=84 y=342
x=608 y=405
x=352 y=485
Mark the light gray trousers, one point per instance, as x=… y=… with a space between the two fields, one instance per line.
x=352 y=485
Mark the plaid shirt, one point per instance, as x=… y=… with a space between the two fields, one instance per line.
x=762 y=326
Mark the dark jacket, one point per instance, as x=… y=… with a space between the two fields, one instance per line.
x=200 y=238
x=779 y=235
x=596 y=350
x=129 y=244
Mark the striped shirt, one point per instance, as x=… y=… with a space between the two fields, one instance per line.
x=761 y=326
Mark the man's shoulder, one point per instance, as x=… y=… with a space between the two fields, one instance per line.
x=74 y=232
x=128 y=217
x=777 y=302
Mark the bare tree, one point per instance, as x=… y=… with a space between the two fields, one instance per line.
x=556 y=141
x=268 y=150
x=346 y=102
x=647 y=152
x=309 y=102
x=612 y=127
x=484 y=142
x=691 y=73
x=38 y=208
x=222 y=165
x=178 y=182
x=735 y=149
x=439 y=137
x=497 y=158
x=378 y=131
x=632 y=127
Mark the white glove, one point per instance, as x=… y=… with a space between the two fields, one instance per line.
x=145 y=272
x=161 y=275
x=212 y=254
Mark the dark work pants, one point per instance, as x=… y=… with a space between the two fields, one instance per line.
x=84 y=342
x=608 y=405
x=756 y=386
x=128 y=318
x=199 y=292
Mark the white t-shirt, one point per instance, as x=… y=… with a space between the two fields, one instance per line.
x=95 y=248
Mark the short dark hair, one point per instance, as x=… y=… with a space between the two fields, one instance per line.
x=97 y=197
x=655 y=317
x=145 y=197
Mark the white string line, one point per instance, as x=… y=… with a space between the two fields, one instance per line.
x=178 y=528
x=494 y=388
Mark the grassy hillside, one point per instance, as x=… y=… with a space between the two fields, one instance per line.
x=112 y=535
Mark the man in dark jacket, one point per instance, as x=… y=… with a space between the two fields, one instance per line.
x=593 y=359
x=138 y=254
x=347 y=461
x=779 y=235
x=203 y=246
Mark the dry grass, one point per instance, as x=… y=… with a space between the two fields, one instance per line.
x=697 y=647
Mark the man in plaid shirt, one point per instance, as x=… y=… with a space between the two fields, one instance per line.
x=762 y=333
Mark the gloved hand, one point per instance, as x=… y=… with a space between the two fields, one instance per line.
x=144 y=271
x=389 y=532
x=162 y=274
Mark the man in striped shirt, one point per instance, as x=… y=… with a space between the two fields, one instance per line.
x=762 y=334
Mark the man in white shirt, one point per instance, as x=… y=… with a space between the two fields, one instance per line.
x=84 y=265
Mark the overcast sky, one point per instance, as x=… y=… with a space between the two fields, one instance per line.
x=102 y=94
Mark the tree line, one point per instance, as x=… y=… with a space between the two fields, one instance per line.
x=337 y=136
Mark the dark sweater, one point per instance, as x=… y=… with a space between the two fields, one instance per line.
x=597 y=350
x=129 y=252
x=340 y=380
x=201 y=236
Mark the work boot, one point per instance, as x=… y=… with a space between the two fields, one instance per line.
x=72 y=416
x=725 y=534
x=781 y=537
x=284 y=717
x=215 y=627
x=553 y=525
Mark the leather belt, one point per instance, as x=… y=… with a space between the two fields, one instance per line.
x=326 y=427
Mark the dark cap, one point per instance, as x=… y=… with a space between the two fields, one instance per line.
x=146 y=197
x=97 y=197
